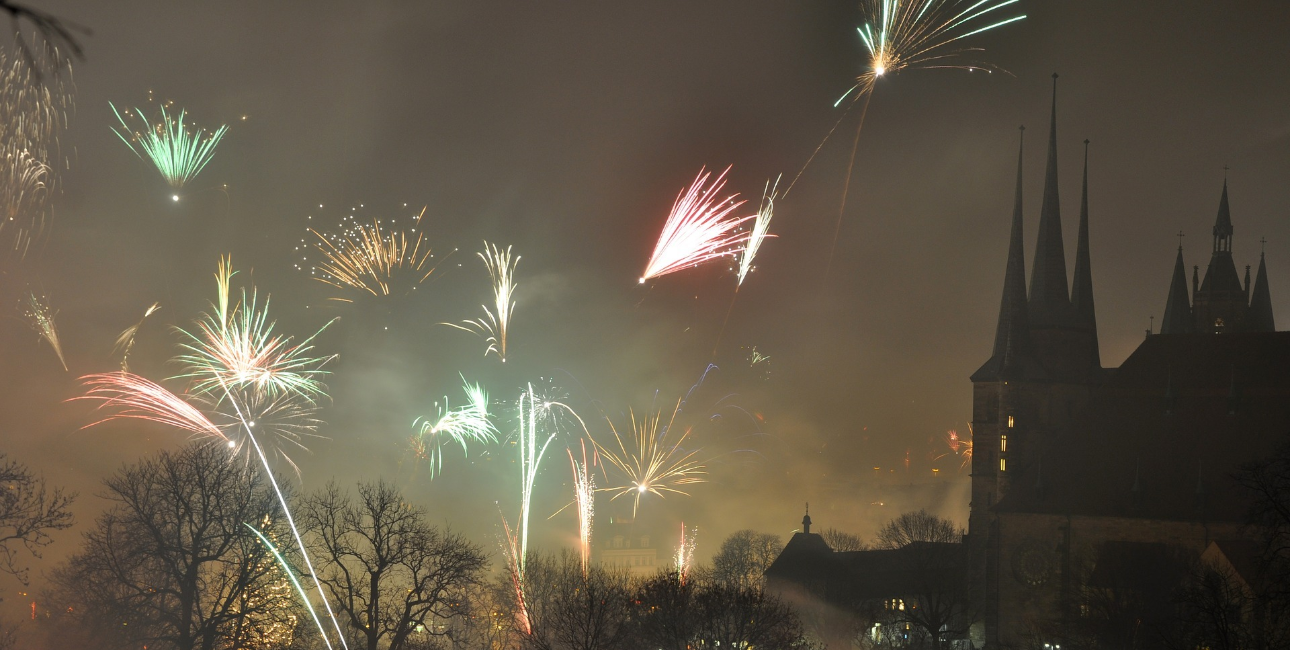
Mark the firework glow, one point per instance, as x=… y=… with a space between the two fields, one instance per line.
x=34 y=107
x=177 y=151
x=497 y=321
x=461 y=425
x=699 y=228
x=380 y=262
x=958 y=447
x=760 y=231
x=685 y=553
x=584 y=497
x=125 y=342
x=235 y=347
x=130 y=396
x=40 y=316
x=650 y=462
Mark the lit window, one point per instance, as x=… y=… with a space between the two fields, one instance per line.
x=1003 y=442
x=1010 y=422
x=1003 y=464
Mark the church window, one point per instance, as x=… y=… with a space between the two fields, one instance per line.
x=1003 y=442
x=1003 y=464
x=1010 y=422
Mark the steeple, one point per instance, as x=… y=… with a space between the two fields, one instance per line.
x=1082 y=286
x=806 y=521
x=1049 y=294
x=1012 y=335
x=1223 y=224
x=1260 y=318
x=1178 y=318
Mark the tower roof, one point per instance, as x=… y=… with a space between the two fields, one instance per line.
x=1049 y=296
x=1223 y=223
x=1012 y=335
x=1082 y=285
x=1260 y=318
x=1178 y=318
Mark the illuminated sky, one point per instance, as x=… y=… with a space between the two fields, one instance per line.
x=566 y=130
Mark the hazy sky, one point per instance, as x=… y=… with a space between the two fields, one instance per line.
x=566 y=130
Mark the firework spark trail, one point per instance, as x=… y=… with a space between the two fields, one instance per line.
x=540 y=424
x=760 y=231
x=468 y=423
x=132 y=396
x=515 y=561
x=379 y=262
x=652 y=465
x=584 y=496
x=286 y=568
x=125 y=342
x=283 y=420
x=958 y=447
x=34 y=110
x=40 y=316
x=685 y=554
x=497 y=321
x=178 y=153
x=910 y=34
x=236 y=346
x=699 y=228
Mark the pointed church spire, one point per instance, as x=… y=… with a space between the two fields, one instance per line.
x=1223 y=223
x=1012 y=335
x=1178 y=318
x=1049 y=294
x=1082 y=285
x=1260 y=318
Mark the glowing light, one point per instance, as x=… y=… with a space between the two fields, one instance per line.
x=584 y=493
x=496 y=321
x=685 y=553
x=378 y=261
x=652 y=464
x=699 y=228
x=125 y=342
x=177 y=152
x=760 y=230
x=40 y=316
x=464 y=424
x=174 y=197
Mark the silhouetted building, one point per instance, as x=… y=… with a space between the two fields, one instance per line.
x=623 y=545
x=1084 y=477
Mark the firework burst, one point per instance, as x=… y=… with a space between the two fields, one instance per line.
x=497 y=321
x=235 y=347
x=699 y=228
x=125 y=342
x=760 y=231
x=40 y=316
x=685 y=553
x=34 y=107
x=127 y=395
x=542 y=419
x=374 y=260
x=177 y=151
x=958 y=447
x=649 y=461
x=584 y=499
x=461 y=425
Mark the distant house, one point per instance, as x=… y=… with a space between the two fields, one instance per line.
x=878 y=597
x=624 y=546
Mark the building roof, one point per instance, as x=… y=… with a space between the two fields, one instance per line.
x=853 y=576
x=1163 y=437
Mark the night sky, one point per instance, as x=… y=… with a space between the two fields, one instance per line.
x=566 y=130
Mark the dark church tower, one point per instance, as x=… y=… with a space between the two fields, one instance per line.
x=1044 y=363
x=1220 y=303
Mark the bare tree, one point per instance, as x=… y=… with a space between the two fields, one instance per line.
x=665 y=615
x=391 y=575
x=744 y=556
x=920 y=526
x=172 y=562
x=733 y=616
x=571 y=611
x=842 y=541
x=29 y=512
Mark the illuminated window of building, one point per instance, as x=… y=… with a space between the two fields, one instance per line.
x=1010 y=422
x=1218 y=323
x=1003 y=464
x=1003 y=442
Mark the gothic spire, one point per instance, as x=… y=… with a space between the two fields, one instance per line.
x=1049 y=294
x=1260 y=318
x=1012 y=335
x=1082 y=285
x=1223 y=223
x=1178 y=318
